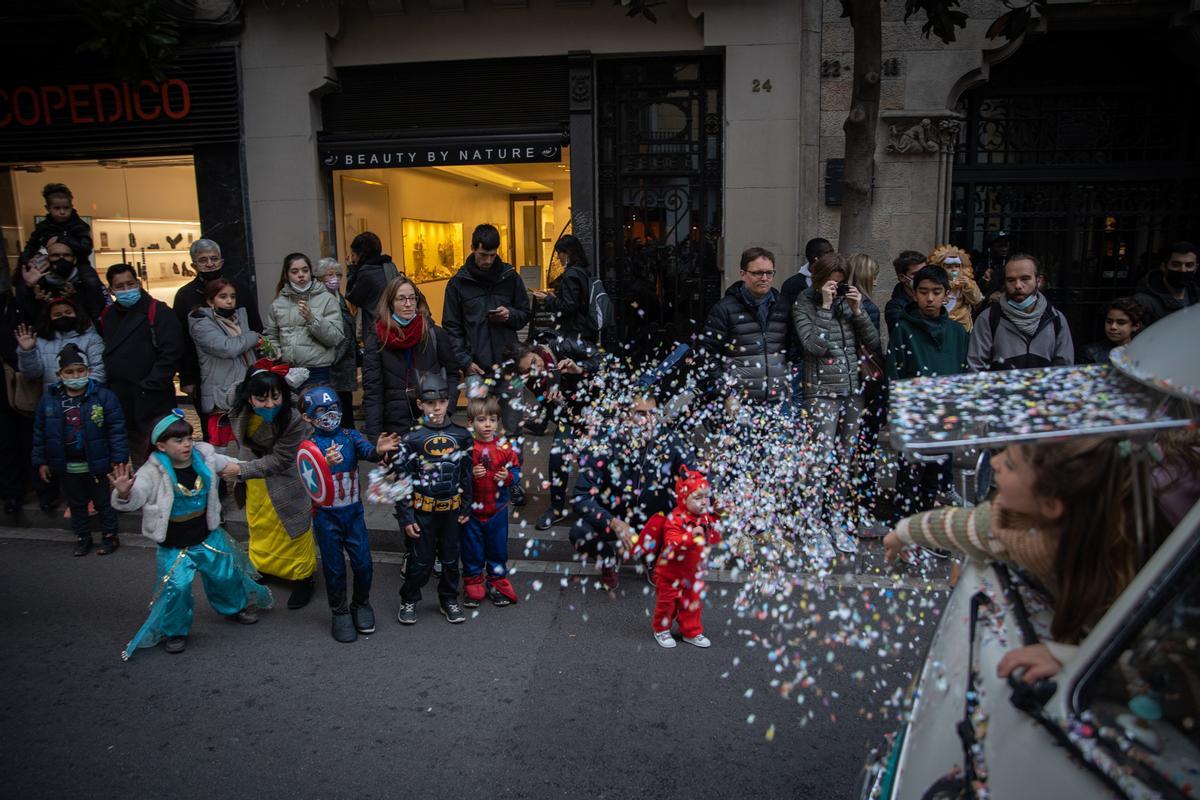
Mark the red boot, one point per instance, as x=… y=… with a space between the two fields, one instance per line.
x=501 y=591
x=473 y=591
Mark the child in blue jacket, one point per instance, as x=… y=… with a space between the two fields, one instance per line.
x=79 y=436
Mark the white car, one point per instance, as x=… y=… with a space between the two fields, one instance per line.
x=1122 y=718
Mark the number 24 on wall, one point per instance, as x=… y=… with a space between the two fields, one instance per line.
x=760 y=86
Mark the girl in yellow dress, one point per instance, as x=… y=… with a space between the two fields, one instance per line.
x=268 y=430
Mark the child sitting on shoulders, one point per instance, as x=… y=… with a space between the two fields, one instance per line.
x=687 y=534
x=177 y=491
x=494 y=468
x=341 y=525
x=1066 y=514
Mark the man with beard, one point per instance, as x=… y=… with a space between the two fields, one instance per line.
x=626 y=478
x=1170 y=287
x=1022 y=330
x=208 y=265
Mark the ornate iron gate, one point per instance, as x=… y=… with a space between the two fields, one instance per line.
x=660 y=174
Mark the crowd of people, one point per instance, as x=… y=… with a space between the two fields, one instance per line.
x=91 y=395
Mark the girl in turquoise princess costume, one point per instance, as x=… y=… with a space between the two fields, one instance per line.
x=176 y=490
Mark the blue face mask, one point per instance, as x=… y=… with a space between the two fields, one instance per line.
x=75 y=383
x=128 y=297
x=267 y=414
x=1025 y=304
x=403 y=323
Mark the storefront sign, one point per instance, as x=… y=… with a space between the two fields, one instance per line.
x=438 y=154
x=94 y=103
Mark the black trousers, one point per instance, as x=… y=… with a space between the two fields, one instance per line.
x=81 y=489
x=439 y=539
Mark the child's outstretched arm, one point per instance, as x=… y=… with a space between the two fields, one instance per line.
x=964 y=530
x=129 y=491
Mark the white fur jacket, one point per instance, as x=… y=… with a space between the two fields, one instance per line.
x=154 y=494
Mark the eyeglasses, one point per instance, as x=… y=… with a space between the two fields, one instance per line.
x=208 y=261
x=406 y=299
x=760 y=273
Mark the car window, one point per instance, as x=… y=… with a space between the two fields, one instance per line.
x=1146 y=702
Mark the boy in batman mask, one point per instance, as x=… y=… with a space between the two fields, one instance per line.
x=341 y=525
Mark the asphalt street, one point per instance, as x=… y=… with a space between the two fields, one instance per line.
x=562 y=695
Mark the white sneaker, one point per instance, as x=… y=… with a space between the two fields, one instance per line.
x=700 y=640
x=844 y=542
x=665 y=639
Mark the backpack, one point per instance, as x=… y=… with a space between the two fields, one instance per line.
x=151 y=315
x=600 y=313
x=995 y=315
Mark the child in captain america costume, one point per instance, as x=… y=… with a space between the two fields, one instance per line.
x=341 y=525
x=495 y=467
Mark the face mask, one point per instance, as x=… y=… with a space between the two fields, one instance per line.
x=1178 y=279
x=403 y=323
x=333 y=282
x=329 y=421
x=63 y=324
x=227 y=313
x=299 y=289
x=128 y=297
x=75 y=383
x=211 y=275
x=267 y=414
x=1025 y=304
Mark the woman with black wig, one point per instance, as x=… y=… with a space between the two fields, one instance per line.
x=268 y=431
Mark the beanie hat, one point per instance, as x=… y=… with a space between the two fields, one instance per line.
x=69 y=355
x=689 y=482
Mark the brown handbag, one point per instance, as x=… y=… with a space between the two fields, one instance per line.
x=870 y=366
x=23 y=393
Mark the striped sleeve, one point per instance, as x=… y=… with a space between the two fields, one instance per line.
x=966 y=530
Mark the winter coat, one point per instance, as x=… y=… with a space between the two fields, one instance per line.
x=871 y=310
x=568 y=306
x=141 y=362
x=104 y=440
x=1157 y=300
x=154 y=493
x=304 y=343
x=684 y=539
x=1008 y=348
x=830 y=338
x=344 y=373
x=365 y=284
x=75 y=233
x=893 y=310
x=222 y=363
x=391 y=379
x=617 y=480
x=755 y=355
x=920 y=346
x=274 y=459
x=83 y=287
x=190 y=297
x=1095 y=352
x=470 y=294
x=42 y=361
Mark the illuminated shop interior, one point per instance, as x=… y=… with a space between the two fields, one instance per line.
x=143 y=211
x=424 y=216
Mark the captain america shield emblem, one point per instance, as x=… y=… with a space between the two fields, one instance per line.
x=314 y=473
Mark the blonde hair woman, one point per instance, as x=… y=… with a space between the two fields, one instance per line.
x=864 y=272
x=964 y=292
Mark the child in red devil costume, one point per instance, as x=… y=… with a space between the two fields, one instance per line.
x=686 y=534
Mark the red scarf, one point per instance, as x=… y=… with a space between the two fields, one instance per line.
x=396 y=338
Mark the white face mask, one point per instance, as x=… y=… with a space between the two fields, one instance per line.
x=299 y=289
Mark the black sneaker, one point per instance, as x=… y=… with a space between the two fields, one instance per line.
x=407 y=614
x=343 y=628
x=516 y=496
x=108 y=544
x=83 y=547
x=550 y=519
x=247 y=616
x=364 y=617
x=302 y=592
x=175 y=644
x=453 y=612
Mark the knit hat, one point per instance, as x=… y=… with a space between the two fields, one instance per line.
x=69 y=355
x=689 y=482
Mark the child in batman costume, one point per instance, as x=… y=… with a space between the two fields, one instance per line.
x=436 y=457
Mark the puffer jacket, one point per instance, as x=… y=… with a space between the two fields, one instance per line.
x=223 y=358
x=392 y=377
x=303 y=343
x=830 y=338
x=755 y=357
x=470 y=294
x=42 y=361
x=154 y=493
x=104 y=439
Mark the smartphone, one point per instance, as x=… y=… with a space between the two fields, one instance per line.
x=493 y=312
